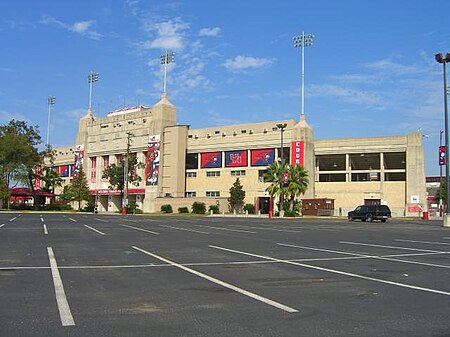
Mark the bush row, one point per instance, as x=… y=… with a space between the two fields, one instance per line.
x=197 y=208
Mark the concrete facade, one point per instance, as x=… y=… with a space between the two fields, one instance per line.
x=387 y=170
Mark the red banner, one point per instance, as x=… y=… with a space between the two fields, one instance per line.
x=298 y=152
x=236 y=158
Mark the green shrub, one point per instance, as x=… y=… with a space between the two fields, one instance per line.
x=166 y=208
x=198 y=208
x=214 y=208
x=183 y=210
x=89 y=208
x=250 y=208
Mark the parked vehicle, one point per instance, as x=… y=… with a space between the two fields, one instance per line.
x=370 y=213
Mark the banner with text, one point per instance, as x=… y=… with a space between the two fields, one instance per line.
x=152 y=160
x=236 y=158
x=298 y=152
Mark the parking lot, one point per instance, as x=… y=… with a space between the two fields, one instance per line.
x=108 y=275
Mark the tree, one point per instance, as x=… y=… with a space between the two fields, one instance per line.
x=289 y=181
x=19 y=155
x=78 y=190
x=115 y=174
x=441 y=193
x=51 y=180
x=237 y=196
x=297 y=183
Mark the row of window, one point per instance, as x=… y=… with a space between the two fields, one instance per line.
x=234 y=173
x=209 y=194
x=355 y=177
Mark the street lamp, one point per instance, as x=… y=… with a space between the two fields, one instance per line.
x=440 y=58
x=303 y=41
x=50 y=101
x=281 y=127
x=92 y=77
x=166 y=58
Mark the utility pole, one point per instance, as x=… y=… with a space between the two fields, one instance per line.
x=125 y=174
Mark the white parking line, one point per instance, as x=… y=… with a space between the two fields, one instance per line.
x=100 y=220
x=390 y=247
x=42 y=219
x=61 y=300
x=377 y=257
x=45 y=229
x=93 y=229
x=72 y=219
x=221 y=283
x=184 y=229
x=427 y=242
x=2 y=225
x=269 y=229
x=140 y=229
x=12 y=219
x=403 y=285
x=227 y=229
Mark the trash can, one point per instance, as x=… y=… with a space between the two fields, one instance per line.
x=425 y=215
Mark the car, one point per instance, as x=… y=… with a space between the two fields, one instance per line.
x=370 y=213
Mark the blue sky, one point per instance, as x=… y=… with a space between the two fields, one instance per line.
x=370 y=72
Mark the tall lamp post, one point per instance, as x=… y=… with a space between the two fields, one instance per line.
x=51 y=102
x=444 y=60
x=282 y=127
x=166 y=58
x=303 y=41
x=125 y=175
x=92 y=77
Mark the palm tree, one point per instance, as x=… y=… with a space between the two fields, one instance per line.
x=297 y=183
x=51 y=179
x=274 y=175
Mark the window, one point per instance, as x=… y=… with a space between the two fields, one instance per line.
x=213 y=174
x=93 y=168
x=118 y=159
x=328 y=178
x=261 y=174
x=395 y=176
x=105 y=162
x=217 y=132
x=191 y=194
x=212 y=194
x=238 y=173
x=191 y=174
x=192 y=161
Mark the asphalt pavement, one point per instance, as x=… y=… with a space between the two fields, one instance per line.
x=104 y=275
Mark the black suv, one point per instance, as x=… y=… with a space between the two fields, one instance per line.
x=370 y=213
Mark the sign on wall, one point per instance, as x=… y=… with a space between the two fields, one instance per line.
x=236 y=158
x=64 y=171
x=78 y=160
x=442 y=159
x=298 y=152
x=262 y=157
x=152 y=160
x=211 y=160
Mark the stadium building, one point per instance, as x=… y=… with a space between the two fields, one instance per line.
x=182 y=165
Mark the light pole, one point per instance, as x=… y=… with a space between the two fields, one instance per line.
x=440 y=176
x=92 y=77
x=303 y=41
x=166 y=58
x=281 y=127
x=50 y=101
x=440 y=58
x=125 y=175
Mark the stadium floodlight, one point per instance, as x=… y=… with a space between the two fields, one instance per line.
x=166 y=58
x=50 y=101
x=302 y=41
x=92 y=77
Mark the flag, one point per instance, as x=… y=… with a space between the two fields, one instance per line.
x=211 y=160
x=263 y=157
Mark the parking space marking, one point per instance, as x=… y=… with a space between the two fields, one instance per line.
x=12 y=219
x=339 y=272
x=101 y=220
x=377 y=257
x=221 y=283
x=427 y=242
x=72 y=219
x=61 y=299
x=390 y=247
x=42 y=219
x=268 y=229
x=2 y=225
x=95 y=230
x=45 y=229
x=227 y=229
x=140 y=229
x=184 y=229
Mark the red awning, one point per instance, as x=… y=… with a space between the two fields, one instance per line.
x=25 y=192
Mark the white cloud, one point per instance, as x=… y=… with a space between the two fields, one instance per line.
x=83 y=28
x=242 y=63
x=167 y=35
x=346 y=94
x=393 y=68
x=212 y=32
x=6 y=116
